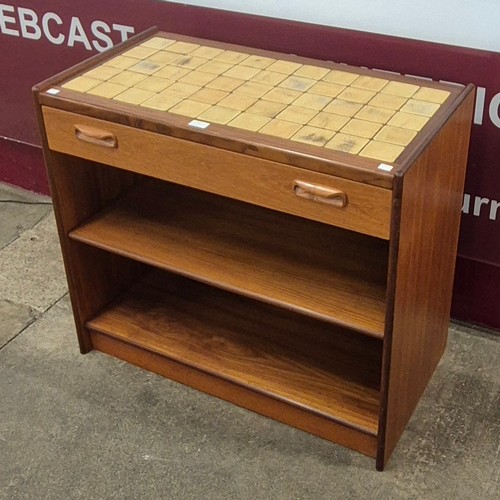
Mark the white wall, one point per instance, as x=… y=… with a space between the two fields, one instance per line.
x=468 y=23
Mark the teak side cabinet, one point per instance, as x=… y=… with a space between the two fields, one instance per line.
x=293 y=255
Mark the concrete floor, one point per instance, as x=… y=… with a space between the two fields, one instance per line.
x=93 y=427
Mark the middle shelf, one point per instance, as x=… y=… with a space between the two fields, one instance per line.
x=308 y=267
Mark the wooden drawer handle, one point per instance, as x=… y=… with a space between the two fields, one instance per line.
x=96 y=136
x=321 y=194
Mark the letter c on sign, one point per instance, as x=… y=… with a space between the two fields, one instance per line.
x=50 y=16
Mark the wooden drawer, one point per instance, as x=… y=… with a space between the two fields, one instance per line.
x=312 y=195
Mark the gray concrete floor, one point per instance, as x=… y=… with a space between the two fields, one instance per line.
x=93 y=427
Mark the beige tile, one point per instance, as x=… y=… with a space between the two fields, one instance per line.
x=313 y=135
x=253 y=89
x=154 y=84
x=210 y=96
x=134 y=96
x=341 y=77
x=285 y=96
x=400 y=89
x=157 y=43
x=206 y=52
x=344 y=108
x=164 y=57
x=259 y=62
x=121 y=62
x=172 y=72
x=140 y=52
x=237 y=101
x=312 y=101
x=356 y=95
x=280 y=128
x=297 y=114
x=162 y=102
x=347 y=143
x=189 y=108
x=183 y=47
x=107 y=89
x=286 y=67
x=218 y=114
x=395 y=135
x=369 y=83
x=242 y=72
x=266 y=108
x=382 y=151
x=361 y=128
x=327 y=88
x=314 y=72
x=102 y=73
x=81 y=84
x=374 y=114
x=329 y=121
x=146 y=67
x=182 y=90
x=297 y=83
x=215 y=67
x=420 y=107
x=231 y=57
x=128 y=78
x=248 y=121
x=189 y=62
x=388 y=101
x=408 y=121
x=269 y=77
x=198 y=78
x=431 y=95
x=225 y=83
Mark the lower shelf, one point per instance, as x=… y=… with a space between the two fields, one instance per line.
x=300 y=364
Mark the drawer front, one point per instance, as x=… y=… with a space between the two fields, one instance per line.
x=312 y=195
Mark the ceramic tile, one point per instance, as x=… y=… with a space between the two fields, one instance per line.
x=242 y=72
x=225 y=83
x=286 y=67
x=210 y=96
x=107 y=89
x=218 y=114
x=140 y=52
x=327 y=89
x=154 y=84
x=231 y=57
x=157 y=43
x=347 y=143
x=431 y=95
x=312 y=101
x=259 y=62
x=162 y=102
x=369 y=83
x=344 y=108
x=198 y=78
x=237 y=101
x=253 y=89
x=361 y=128
x=134 y=96
x=285 y=96
x=102 y=73
x=420 y=107
x=388 y=101
x=248 y=121
x=280 y=128
x=395 y=135
x=206 y=52
x=341 y=77
x=269 y=77
x=183 y=47
x=297 y=114
x=189 y=62
x=146 y=67
x=313 y=135
x=266 y=108
x=81 y=84
x=215 y=67
x=127 y=78
x=164 y=57
x=179 y=89
x=408 y=121
x=314 y=72
x=189 y=108
x=172 y=72
x=297 y=83
x=382 y=151
x=356 y=95
x=329 y=121
x=400 y=89
x=121 y=62
x=374 y=114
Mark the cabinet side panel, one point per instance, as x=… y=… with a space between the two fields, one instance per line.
x=428 y=236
